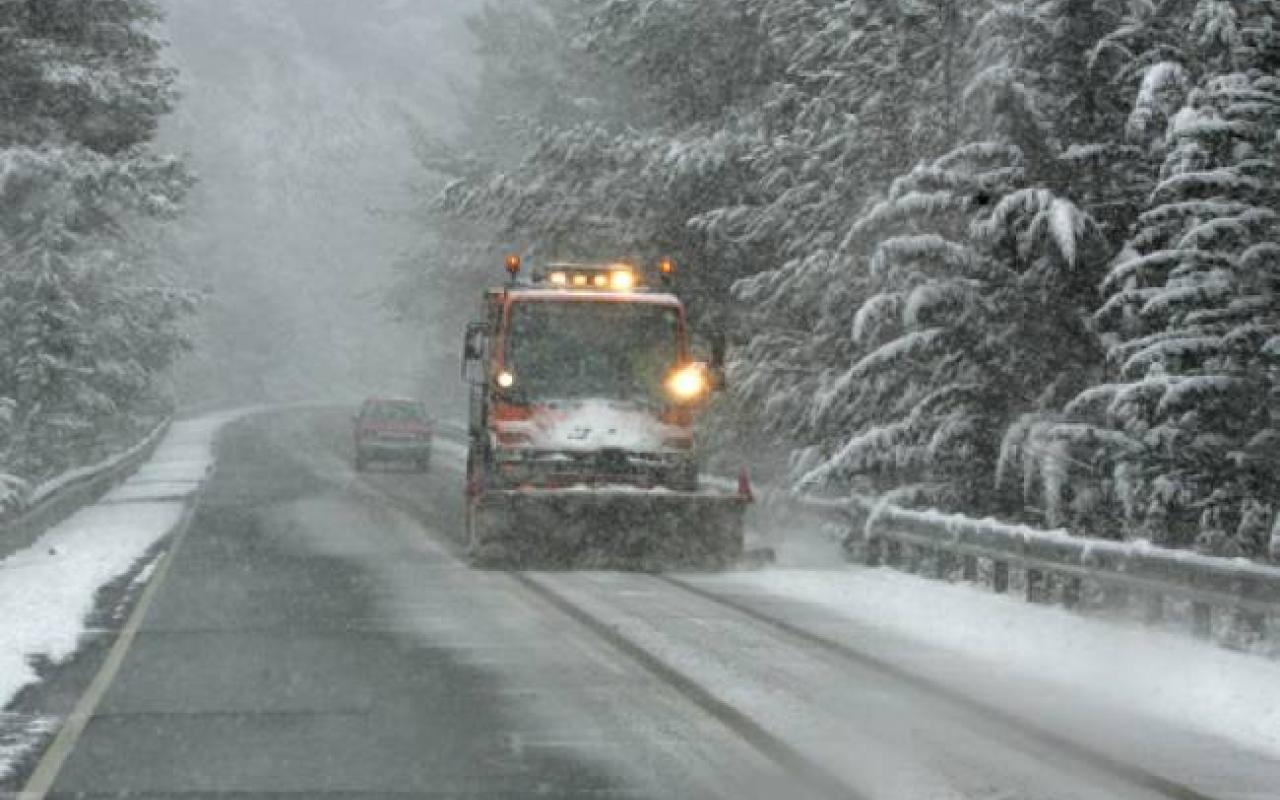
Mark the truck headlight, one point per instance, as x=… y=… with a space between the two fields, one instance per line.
x=688 y=383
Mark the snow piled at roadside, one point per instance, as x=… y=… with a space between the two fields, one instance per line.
x=1191 y=684
x=48 y=590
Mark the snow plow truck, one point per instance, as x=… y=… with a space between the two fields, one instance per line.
x=581 y=447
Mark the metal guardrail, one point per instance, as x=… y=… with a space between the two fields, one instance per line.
x=70 y=495
x=1053 y=566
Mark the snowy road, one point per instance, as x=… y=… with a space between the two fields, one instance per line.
x=316 y=633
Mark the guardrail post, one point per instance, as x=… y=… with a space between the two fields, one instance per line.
x=913 y=555
x=1250 y=627
x=1201 y=620
x=1115 y=597
x=969 y=568
x=1000 y=576
x=943 y=564
x=1035 y=586
x=1072 y=589
x=871 y=555
x=893 y=553
x=1154 y=613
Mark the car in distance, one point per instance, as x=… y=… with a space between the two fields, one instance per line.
x=393 y=429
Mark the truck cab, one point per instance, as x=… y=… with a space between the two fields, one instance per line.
x=583 y=376
x=582 y=452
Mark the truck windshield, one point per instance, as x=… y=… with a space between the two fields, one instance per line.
x=577 y=349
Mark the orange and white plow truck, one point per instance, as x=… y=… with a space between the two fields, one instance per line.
x=582 y=453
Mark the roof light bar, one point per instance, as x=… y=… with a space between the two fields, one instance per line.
x=619 y=276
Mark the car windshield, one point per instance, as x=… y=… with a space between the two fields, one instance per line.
x=395 y=412
x=577 y=349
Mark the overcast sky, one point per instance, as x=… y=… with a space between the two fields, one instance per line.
x=295 y=117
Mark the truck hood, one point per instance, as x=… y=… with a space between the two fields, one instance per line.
x=592 y=425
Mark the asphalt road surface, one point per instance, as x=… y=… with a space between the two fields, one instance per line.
x=317 y=634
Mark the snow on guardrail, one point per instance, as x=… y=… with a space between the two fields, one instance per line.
x=47 y=489
x=58 y=497
x=1056 y=565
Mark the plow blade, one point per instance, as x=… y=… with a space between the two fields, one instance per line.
x=605 y=529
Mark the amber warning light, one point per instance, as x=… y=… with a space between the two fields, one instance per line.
x=667 y=270
x=513 y=266
x=615 y=277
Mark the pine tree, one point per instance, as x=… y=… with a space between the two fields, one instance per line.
x=87 y=322
x=866 y=91
x=82 y=71
x=973 y=276
x=1034 y=110
x=639 y=154
x=1178 y=444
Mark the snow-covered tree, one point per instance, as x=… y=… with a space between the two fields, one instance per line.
x=866 y=90
x=978 y=288
x=87 y=321
x=531 y=79
x=1055 y=88
x=1032 y=109
x=82 y=71
x=633 y=153
x=1178 y=444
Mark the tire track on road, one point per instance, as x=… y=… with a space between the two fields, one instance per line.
x=806 y=771
x=1094 y=758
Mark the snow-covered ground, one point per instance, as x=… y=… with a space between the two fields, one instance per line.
x=48 y=590
x=1193 y=685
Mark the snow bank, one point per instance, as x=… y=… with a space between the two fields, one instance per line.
x=1165 y=676
x=48 y=590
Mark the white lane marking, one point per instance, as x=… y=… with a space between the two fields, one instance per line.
x=50 y=765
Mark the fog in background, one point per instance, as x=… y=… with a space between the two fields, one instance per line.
x=296 y=115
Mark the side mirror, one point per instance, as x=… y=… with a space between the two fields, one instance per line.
x=473 y=353
x=717 y=377
x=718 y=348
x=715 y=367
